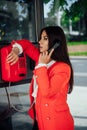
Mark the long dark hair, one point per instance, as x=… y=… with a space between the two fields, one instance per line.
x=56 y=33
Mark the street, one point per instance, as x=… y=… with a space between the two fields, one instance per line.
x=78 y=98
x=80 y=71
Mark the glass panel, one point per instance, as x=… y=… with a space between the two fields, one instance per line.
x=67 y=14
x=50 y=17
x=17 y=20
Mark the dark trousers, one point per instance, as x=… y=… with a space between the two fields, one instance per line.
x=35 y=126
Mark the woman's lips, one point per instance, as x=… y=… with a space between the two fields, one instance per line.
x=41 y=47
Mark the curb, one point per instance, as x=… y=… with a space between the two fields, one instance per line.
x=78 y=57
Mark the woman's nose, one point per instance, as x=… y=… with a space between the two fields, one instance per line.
x=39 y=42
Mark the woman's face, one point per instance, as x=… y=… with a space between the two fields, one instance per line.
x=43 y=42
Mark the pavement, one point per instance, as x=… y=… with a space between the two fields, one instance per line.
x=14 y=115
x=78 y=57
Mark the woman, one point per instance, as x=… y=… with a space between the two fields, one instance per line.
x=52 y=80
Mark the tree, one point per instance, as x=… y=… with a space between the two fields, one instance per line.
x=55 y=5
x=78 y=12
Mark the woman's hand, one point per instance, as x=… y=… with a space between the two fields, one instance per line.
x=45 y=57
x=13 y=57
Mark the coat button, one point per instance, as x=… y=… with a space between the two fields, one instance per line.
x=48 y=118
x=46 y=105
x=36 y=76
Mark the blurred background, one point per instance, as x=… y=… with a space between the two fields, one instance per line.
x=23 y=19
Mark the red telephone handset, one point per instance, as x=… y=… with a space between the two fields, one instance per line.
x=12 y=73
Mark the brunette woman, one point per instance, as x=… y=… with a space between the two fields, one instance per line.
x=52 y=79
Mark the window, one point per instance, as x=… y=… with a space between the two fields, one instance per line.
x=17 y=20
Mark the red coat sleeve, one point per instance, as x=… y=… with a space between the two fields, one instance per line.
x=31 y=50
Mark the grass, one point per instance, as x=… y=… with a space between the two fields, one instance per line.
x=77 y=43
x=78 y=53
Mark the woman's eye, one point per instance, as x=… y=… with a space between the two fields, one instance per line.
x=45 y=38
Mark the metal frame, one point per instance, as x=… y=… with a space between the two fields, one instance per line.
x=39 y=16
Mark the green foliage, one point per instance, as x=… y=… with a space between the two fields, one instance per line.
x=78 y=53
x=77 y=43
x=77 y=9
x=65 y=20
x=55 y=5
x=76 y=19
x=77 y=12
x=62 y=2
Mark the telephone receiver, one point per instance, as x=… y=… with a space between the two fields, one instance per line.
x=12 y=73
x=57 y=44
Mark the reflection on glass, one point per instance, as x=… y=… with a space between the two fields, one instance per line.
x=17 y=20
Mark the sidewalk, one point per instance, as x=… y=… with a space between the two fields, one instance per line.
x=78 y=105
x=78 y=57
x=78 y=48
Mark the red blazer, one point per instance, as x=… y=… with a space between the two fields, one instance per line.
x=52 y=111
